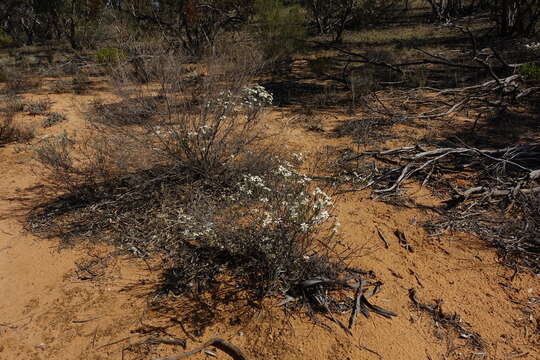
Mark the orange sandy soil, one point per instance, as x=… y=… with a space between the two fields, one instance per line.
x=47 y=312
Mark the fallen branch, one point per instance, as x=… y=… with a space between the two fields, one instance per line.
x=501 y=180
x=449 y=322
x=383 y=238
x=231 y=350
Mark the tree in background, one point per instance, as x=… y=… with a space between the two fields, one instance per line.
x=444 y=10
x=29 y=21
x=334 y=16
x=512 y=17
x=516 y=17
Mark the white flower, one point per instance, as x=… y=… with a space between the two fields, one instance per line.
x=321 y=217
x=256 y=96
x=267 y=220
x=533 y=46
x=304 y=227
x=282 y=170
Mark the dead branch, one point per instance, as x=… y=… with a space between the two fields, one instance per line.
x=228 y=348
x=449 y=322
x=522 y=157
x=504 y=88
x=497 y=180
x=383 y=238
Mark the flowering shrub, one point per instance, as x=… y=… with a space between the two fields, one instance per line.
x=534 y=47
x=257 y=96
x=276 y=231
x=191 y=182
x=215 y=134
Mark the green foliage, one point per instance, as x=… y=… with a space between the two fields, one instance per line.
x=530 y=71
x=281 y=28
x=5 y=39
x=3 y=75
x=109 y=55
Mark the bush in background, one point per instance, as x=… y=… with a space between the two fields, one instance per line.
x=109 y=55
x=280 y=29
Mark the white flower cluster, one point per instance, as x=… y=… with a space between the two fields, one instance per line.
x=224 y=101
x=251 y=183
x=283 y=171
x=194 y=229
x=533 y=46
x=166 y=130
x=322 y=202
x=257 y=96
x=298 y=157
x=286 y=202
x=203 y=132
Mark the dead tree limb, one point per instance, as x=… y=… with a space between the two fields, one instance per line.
x=228 y=348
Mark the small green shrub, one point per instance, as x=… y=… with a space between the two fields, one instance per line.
x=53 y=119
x=530 y=71
x=10 y=131
x=14 y=104
x=61 y=86
x=109 y=55
x=37 y=107
x=5 y=39
x=16 y=84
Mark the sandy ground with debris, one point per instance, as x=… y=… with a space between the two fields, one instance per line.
x=49 y=311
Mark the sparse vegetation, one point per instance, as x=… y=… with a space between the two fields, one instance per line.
x=280 y=29
x=183 y=151
x=11 y=131
x=530 y=71
x=61 y=86
x=109 y=55
x=40 y=107
x=53 y=119
x=17 y=84
x=5 y=39
x=14 y=104
x=194 y=183
x=80 y=82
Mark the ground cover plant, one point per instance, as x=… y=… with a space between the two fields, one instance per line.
x=10 y=129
